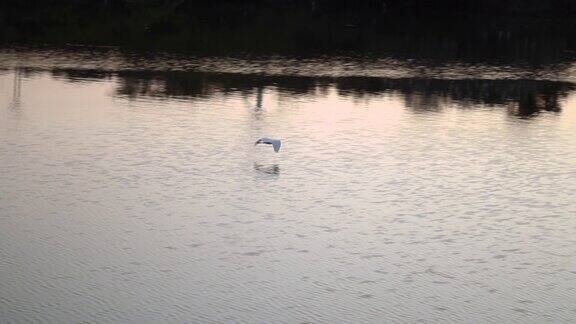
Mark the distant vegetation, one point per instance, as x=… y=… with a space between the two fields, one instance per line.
x=447 y=26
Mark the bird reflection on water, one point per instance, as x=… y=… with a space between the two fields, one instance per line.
x=267 y=169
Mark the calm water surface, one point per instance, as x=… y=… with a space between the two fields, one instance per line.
x=404 y=192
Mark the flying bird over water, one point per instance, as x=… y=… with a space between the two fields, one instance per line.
x=271 y=141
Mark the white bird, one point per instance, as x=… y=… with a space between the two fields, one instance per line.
x=272 y=141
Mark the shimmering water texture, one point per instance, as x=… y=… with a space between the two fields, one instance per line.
x=137 y=195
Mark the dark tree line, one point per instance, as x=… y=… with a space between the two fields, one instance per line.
x=555 y=8
x=280 y=24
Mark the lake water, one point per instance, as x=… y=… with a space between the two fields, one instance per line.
x=405 y=191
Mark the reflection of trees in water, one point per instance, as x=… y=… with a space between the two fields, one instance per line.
x=15 y=103
x=75 y=75
x=17 y=88
x=524 y=97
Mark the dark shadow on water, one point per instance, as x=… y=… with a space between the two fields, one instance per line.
x=523 y=98
x=267 y=169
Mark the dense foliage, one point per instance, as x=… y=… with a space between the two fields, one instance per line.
x=282 y=25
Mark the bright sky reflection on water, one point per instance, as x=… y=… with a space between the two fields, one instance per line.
x=139 y=197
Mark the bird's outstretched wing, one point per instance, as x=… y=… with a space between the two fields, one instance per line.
x=276 y=144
